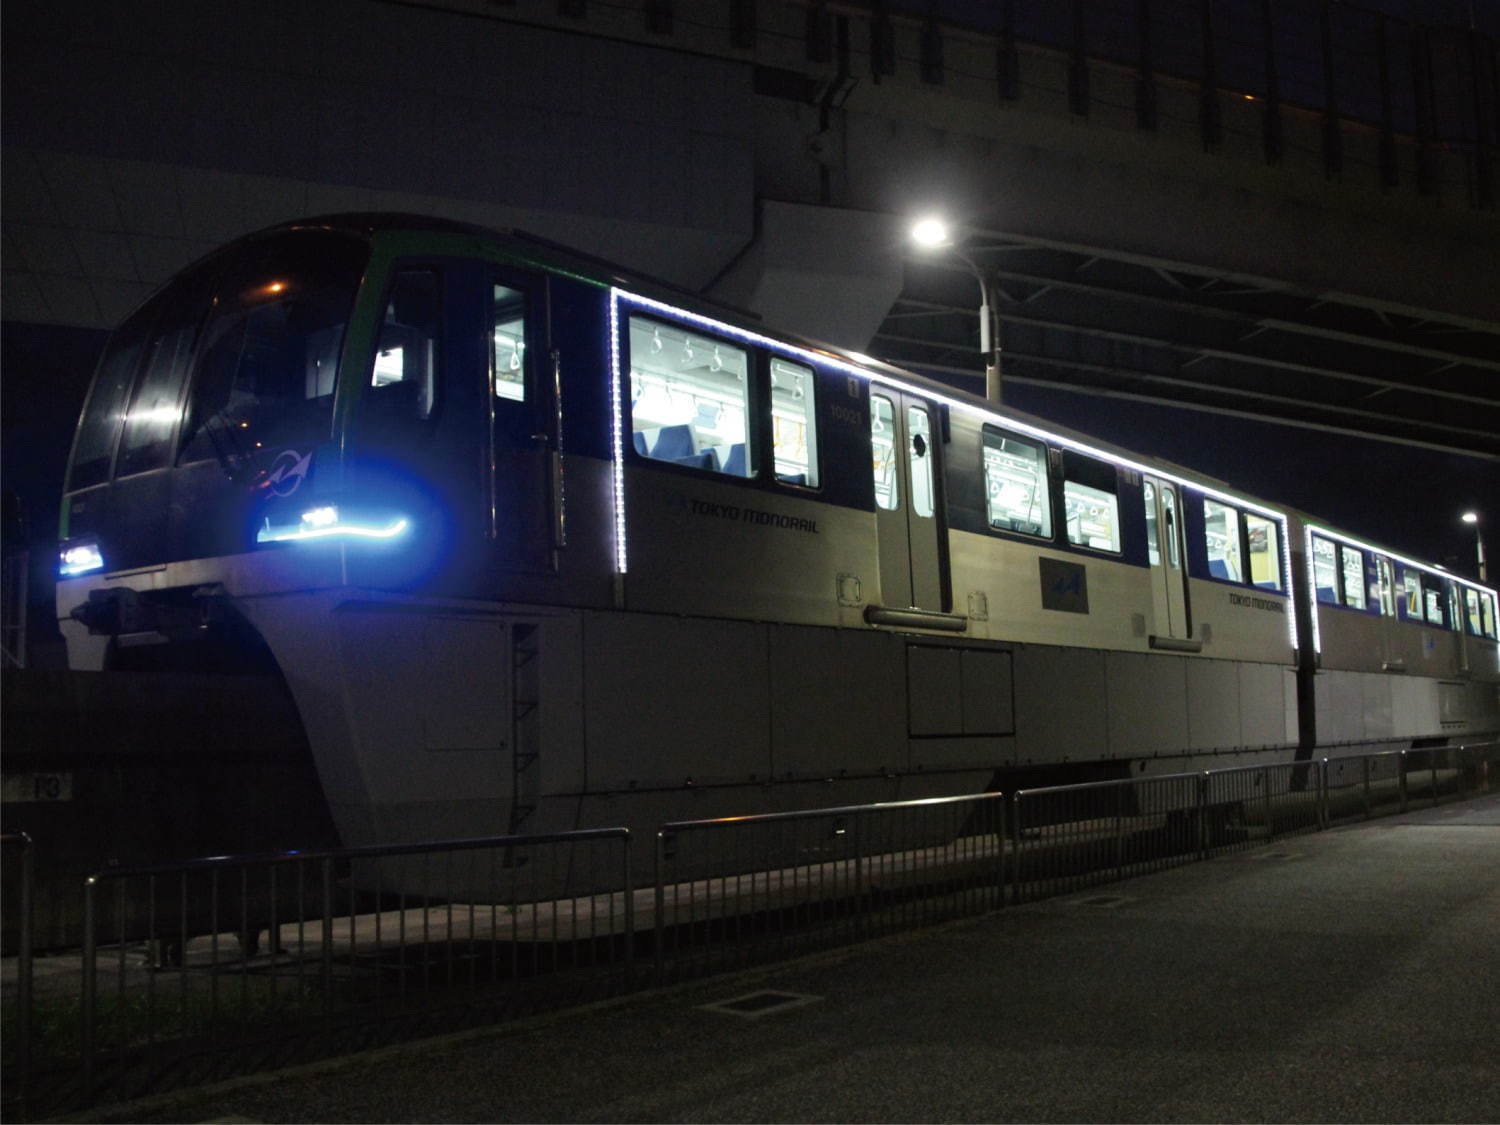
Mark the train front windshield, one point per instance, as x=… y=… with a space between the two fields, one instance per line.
x=226 y=370
x=257 y=340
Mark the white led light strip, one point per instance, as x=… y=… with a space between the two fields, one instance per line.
x=617 y=427
x=826 y=359
x=1312 y=529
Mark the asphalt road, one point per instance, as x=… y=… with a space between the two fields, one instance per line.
x=1351 y=975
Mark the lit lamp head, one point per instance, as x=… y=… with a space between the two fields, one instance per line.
x=1470 y=517
x=931 y=233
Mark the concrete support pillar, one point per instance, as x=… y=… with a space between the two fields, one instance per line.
x=825 y=273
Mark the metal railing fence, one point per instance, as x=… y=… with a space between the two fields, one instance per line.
x=1070 y=836
x=1249 y=805
x=18 y=1043
x=286 y=956
x=735 y=890
x=198 y=970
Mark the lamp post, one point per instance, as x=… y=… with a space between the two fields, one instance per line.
x=1472 y=518
x=934 y=234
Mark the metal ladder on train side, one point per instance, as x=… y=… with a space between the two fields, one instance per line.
x=525 y=741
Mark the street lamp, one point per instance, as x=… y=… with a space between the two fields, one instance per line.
x=1472 y=518
x=933 y=233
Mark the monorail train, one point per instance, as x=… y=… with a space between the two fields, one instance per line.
x=538 y=545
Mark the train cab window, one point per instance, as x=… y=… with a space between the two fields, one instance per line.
x=1325 y=570
x=1090 y=504
x=794 y=423
x=883 y=452
x=405 y=367
x=265 y=371
x=1265 y=552
x=919 y=427
x=508 y=343
x=1221 y=527
x=94 y=447
x=1411 y=582
x=155 y=408
x=1015 y=485
x=1386 y=579
x=1352 y=565
x=689 y=399
x=1471 y=603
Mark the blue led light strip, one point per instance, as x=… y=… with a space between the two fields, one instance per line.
x=347 y=530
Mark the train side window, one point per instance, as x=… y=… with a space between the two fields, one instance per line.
x=1265 y=552
x=1387 y=580
x=508 y=343
x=689 y=399
x=794 y=423
x=1016 y=488
x=1411 y=581
x=883 y=453
x=1325 y=570
x=1433 y=599
x=1090 y=504
x=919 y=449
x=1487 y=609
x=1476 y=622
x=1153 y=552
x=95 y=445
x=1455 y=608
x=1352 y=564
x=1169 y=509
x=405 y=366
x=1221 y=527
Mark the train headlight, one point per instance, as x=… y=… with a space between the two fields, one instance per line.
x=80 y=558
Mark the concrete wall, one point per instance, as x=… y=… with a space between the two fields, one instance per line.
x=138 y=136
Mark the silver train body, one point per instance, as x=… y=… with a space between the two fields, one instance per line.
x=537 y=546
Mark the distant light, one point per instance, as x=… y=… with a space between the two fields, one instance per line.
x=931 y=233
x=1470 y=517
x=325 y=516
x=80 y=560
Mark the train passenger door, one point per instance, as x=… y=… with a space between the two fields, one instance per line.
x=1165 y=550
x=525 y=517
x=904 y=436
